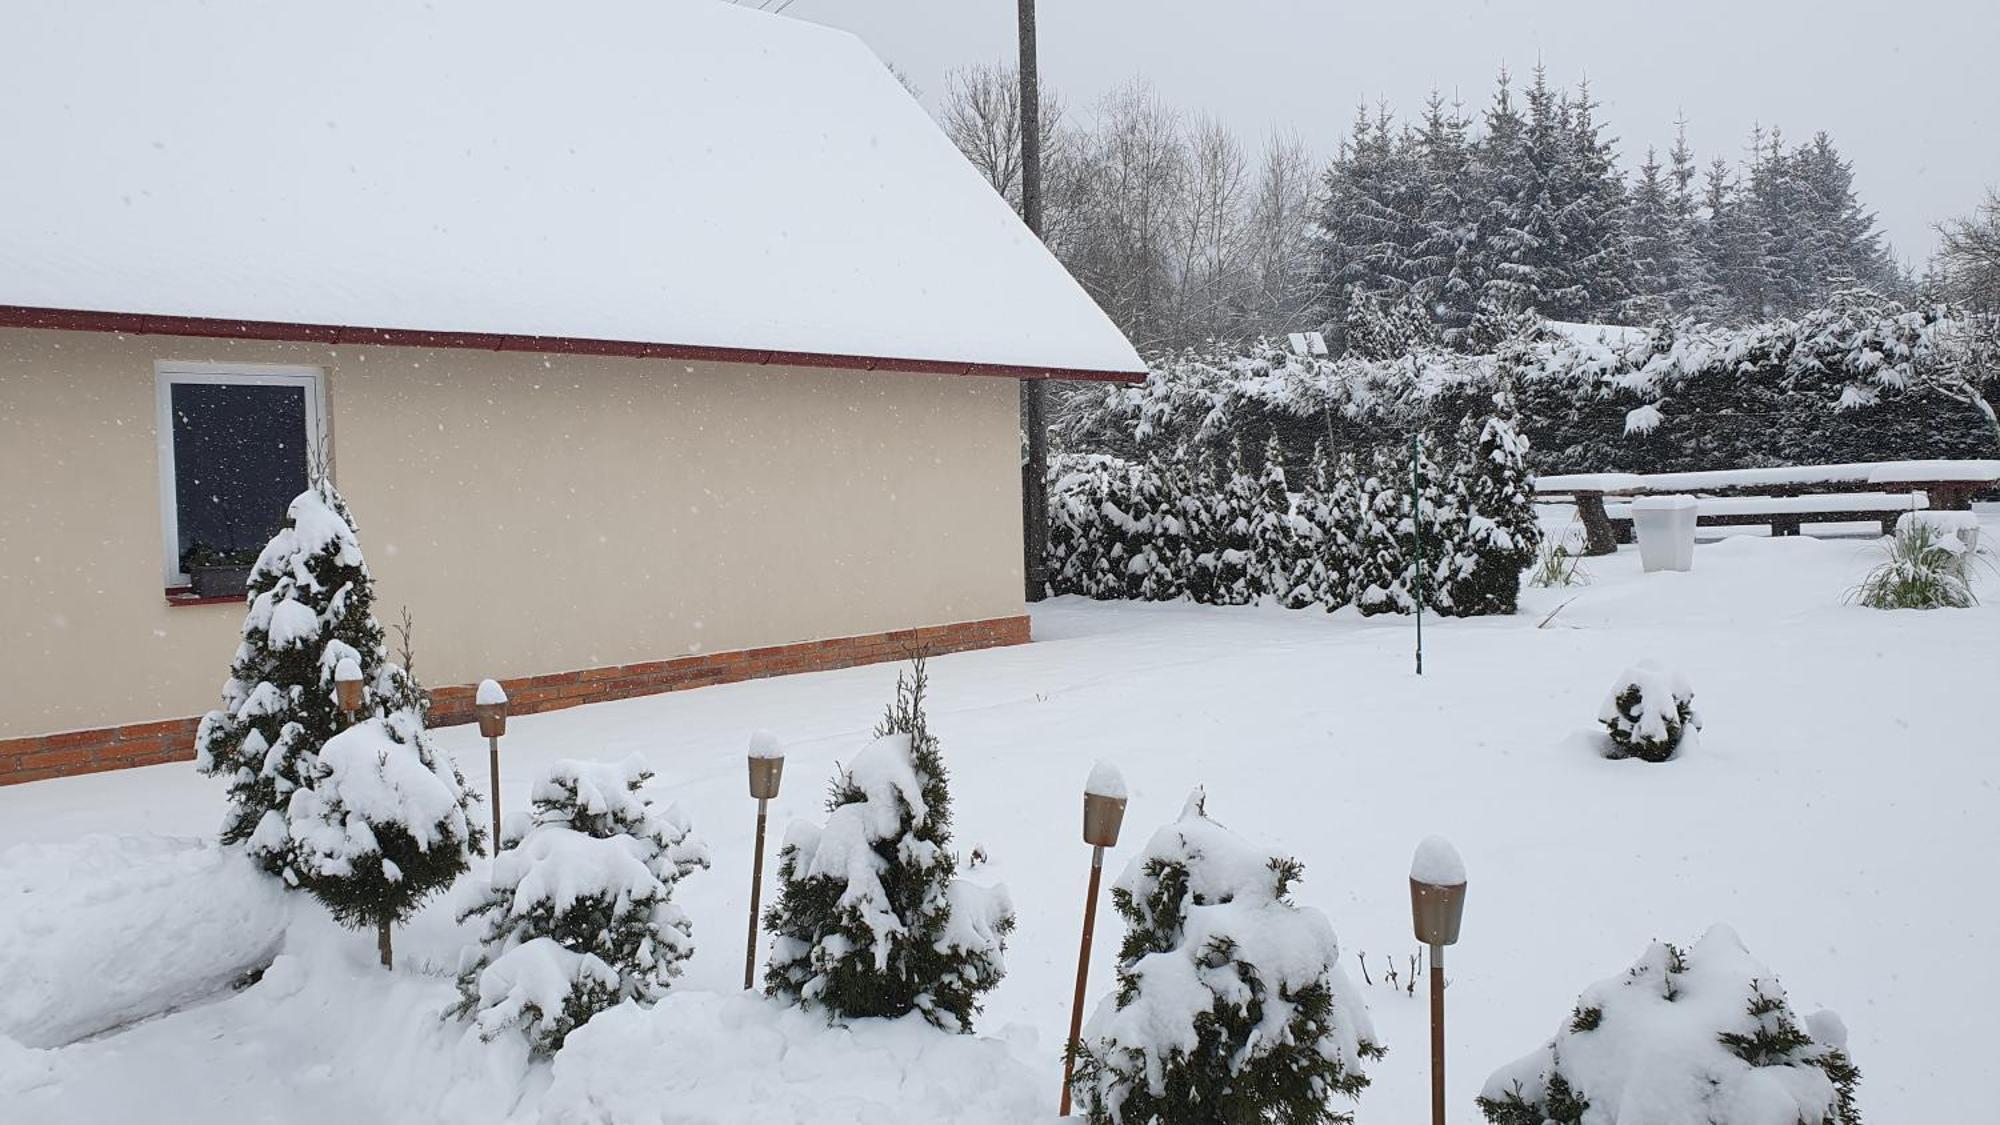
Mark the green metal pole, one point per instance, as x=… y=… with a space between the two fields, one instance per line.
x=1417 y=532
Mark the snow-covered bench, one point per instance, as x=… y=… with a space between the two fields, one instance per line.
x=1785 y=498
x=1786 y=514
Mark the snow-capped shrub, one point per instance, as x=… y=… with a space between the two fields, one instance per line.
x=383 y=823
x=1231 y=1003
x=871 y=919
x=1923 y=567
x=311 y=609
x=1648 y=712
x=580 y=915
x=1701 y=1036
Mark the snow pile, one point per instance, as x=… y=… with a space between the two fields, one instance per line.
x=1648 y=713
x=580 y=916
x=490 y=692
x=1696 y=1037
x=1105 y=780
x=1437 y=863
x=742 y=1060
x=111 y=929
x=765 y=746
x=1231 y=999
x=1951 y=530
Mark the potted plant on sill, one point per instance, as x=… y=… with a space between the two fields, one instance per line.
x=216 y=573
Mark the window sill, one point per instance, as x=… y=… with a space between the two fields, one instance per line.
x=182 y=595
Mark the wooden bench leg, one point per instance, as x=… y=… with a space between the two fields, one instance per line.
x=1889 y=524
x=1784 y=525
x=1598 y=538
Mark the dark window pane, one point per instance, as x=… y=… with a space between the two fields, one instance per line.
x=239 y=458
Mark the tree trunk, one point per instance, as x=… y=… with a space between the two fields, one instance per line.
x=382 y=945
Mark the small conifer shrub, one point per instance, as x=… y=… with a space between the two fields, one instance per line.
x=871 y=918
x=580 y=914
x=1231 y=1003
x=1701 y=1036
x=1648 y=713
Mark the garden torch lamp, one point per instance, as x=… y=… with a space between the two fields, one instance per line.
x=347 y=686
x=1437 y=903
x=1103 y=814
x=490 y=705
x=767 y=769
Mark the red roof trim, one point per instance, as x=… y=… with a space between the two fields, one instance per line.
x=143 y=324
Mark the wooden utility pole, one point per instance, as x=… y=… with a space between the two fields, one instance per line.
x=1034 y=474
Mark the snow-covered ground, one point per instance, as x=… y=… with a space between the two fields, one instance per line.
x=1840 y=812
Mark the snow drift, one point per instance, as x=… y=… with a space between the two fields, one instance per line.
x=111 y=929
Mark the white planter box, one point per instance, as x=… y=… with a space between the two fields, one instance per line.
x=1665 y=527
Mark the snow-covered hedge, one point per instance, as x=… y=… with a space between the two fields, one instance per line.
x=1701 y=1036
x=111 y=929
x=1864 y=379
x=580 y=916
x=1231 y=1003
x=1648 y=713
x=1347 y=532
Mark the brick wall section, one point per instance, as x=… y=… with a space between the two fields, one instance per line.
x=172 y=740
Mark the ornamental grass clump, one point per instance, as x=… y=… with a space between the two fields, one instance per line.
x=1923 y=567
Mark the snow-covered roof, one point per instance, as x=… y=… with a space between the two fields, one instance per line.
x=687 y=174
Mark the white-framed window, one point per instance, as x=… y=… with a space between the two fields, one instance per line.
x=236 y=445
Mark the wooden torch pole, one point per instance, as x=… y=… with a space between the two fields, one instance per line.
x=1437 y=1035
x=756 y=891
x=1082 y=973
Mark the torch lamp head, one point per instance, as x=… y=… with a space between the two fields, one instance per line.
x=1102 y=817
x=1437 y=910
x=765 y=776
x=347 y=685
x=492 y=719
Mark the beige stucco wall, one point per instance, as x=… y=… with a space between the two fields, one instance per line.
x=535 y=513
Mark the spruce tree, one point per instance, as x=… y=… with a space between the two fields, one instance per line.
x=311 y=607
x=1171 y=551
x=1276 y=540
x=1343 y=516
x=1232 y=515
x=1427 y=534
x=580 y=914
x=1231 y=1003
x=1195 y=484
x=1500 y=535
x=1319 y=561
x=871 y=919
x=383 y=822
x=1382 y=506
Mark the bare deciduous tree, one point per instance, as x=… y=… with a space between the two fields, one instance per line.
x=1968 y=256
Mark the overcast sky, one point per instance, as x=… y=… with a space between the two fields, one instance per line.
x=1910 y=90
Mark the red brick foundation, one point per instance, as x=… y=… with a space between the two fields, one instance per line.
x=172 y=740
